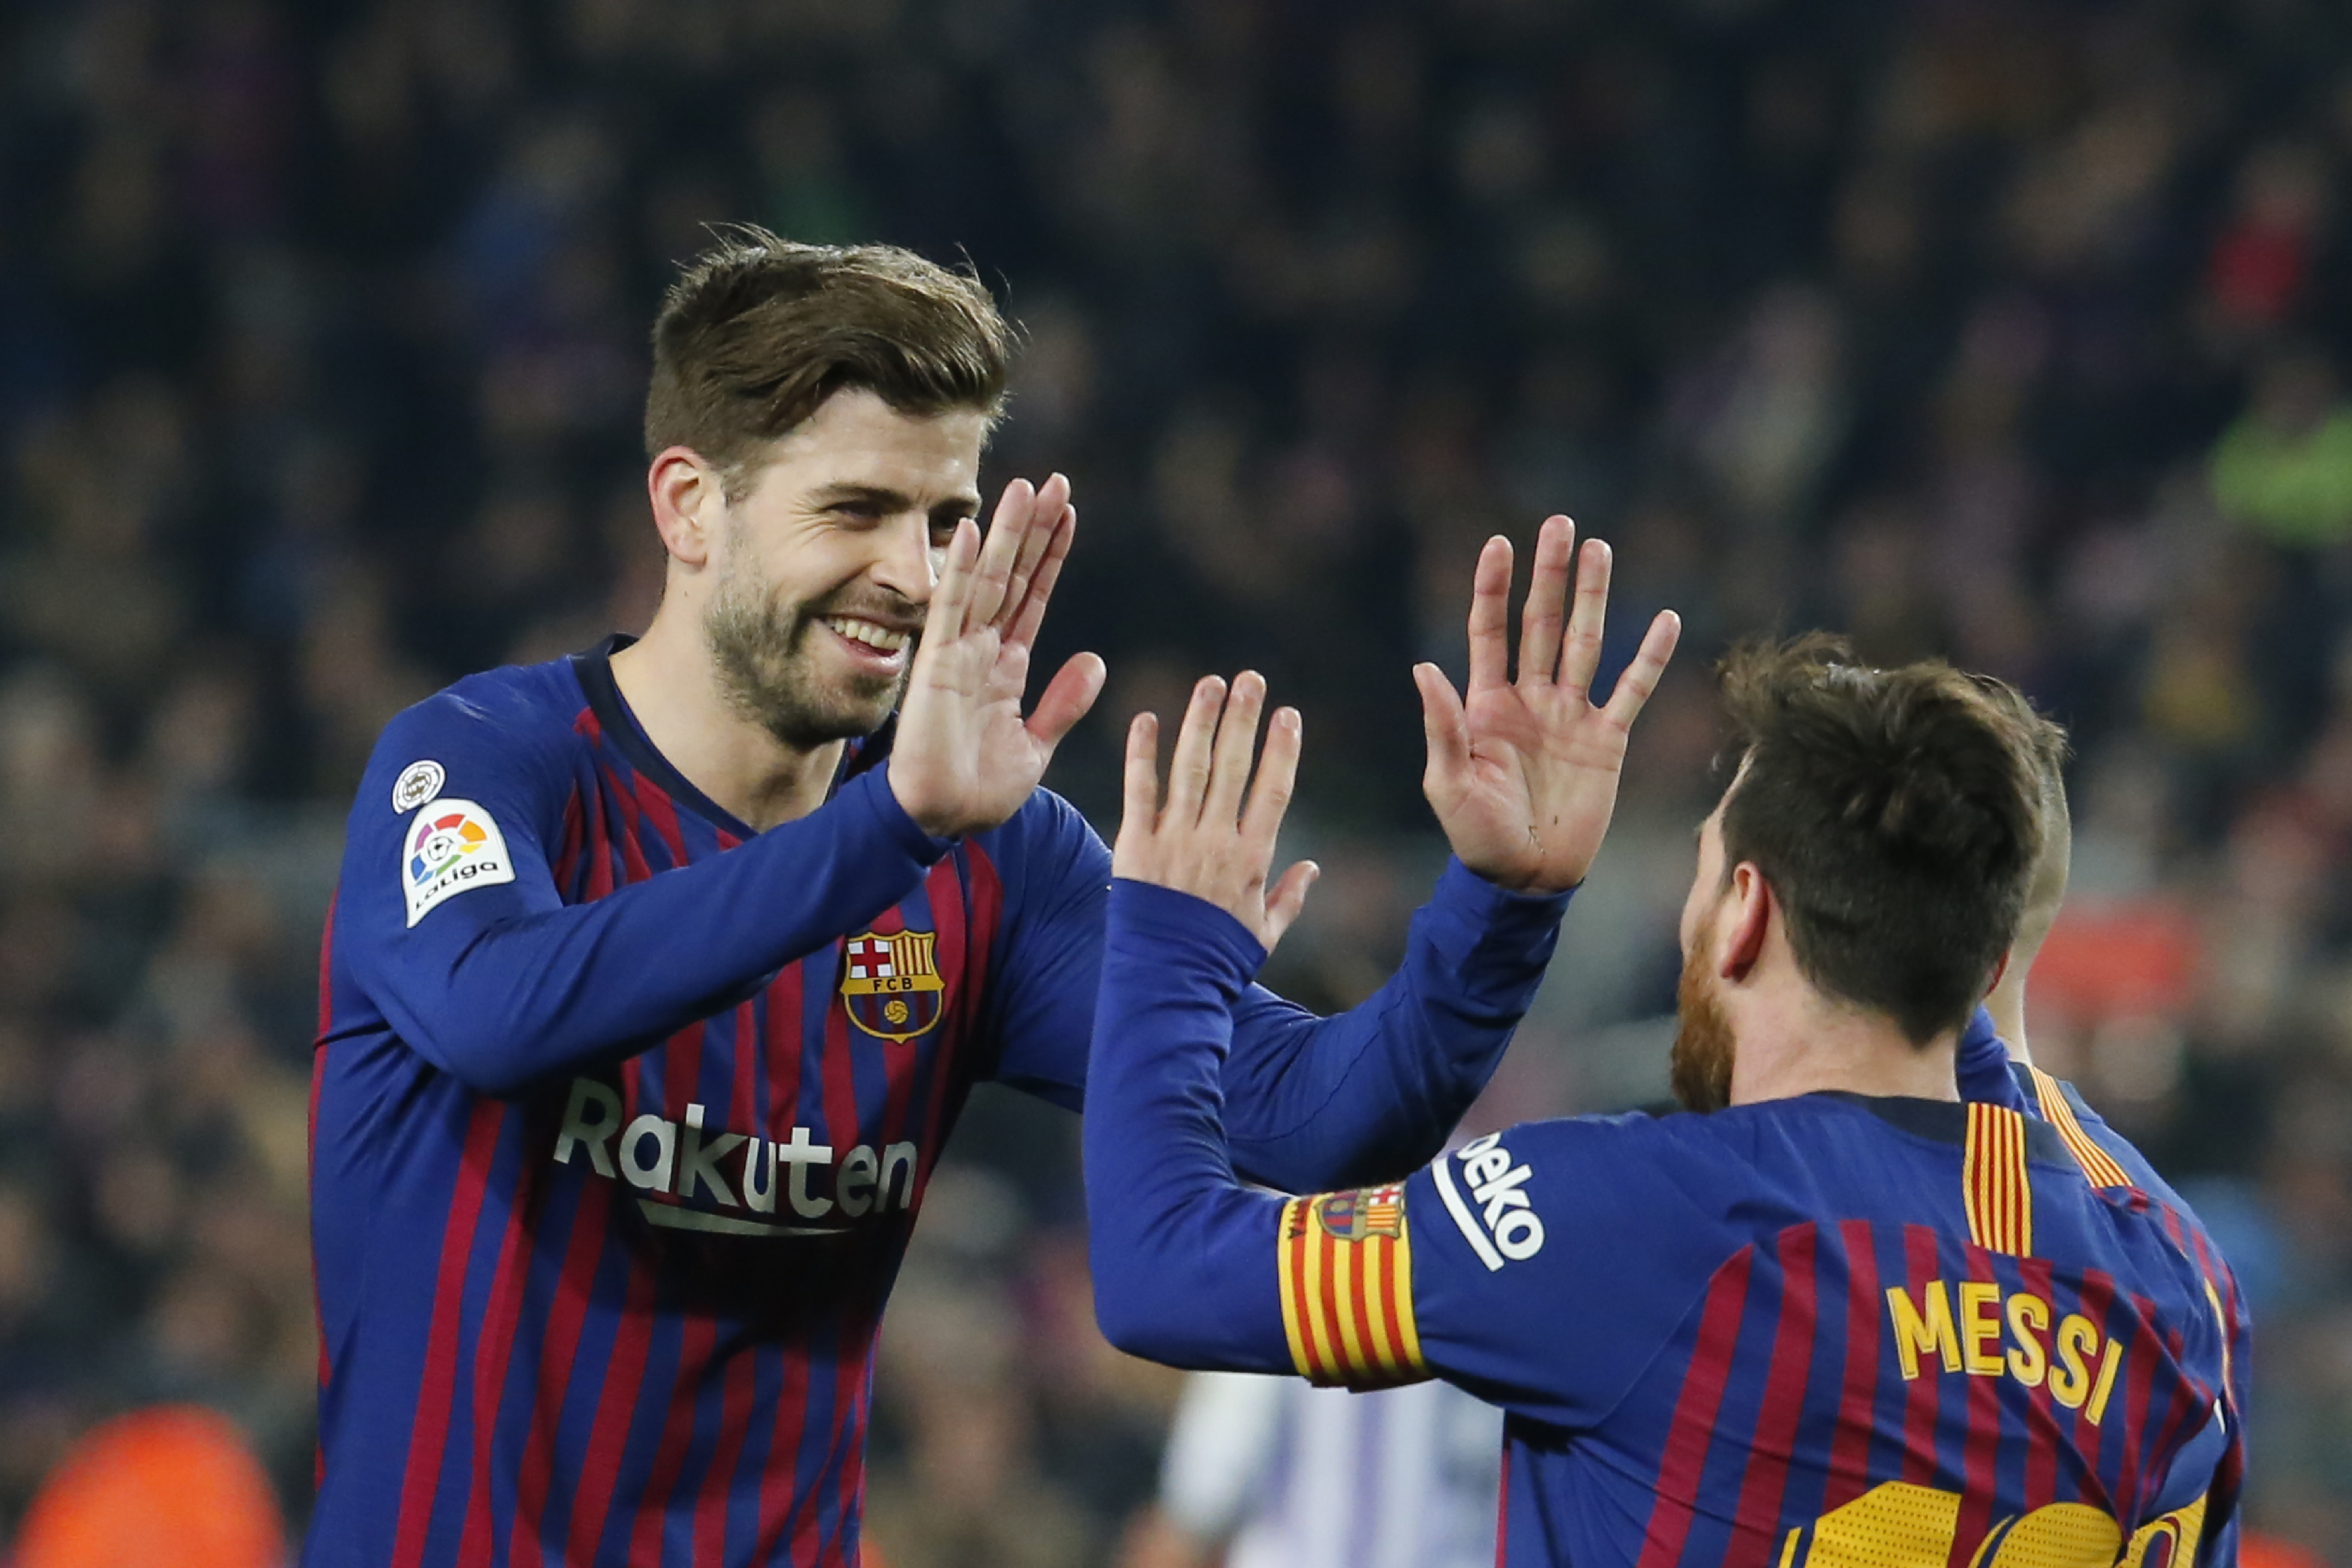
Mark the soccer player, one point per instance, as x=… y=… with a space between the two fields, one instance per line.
x=658 y=974
x=1840 y=1317
x=1995 y=1064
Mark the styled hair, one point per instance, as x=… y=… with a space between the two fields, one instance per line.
x=1896 y=815
x=758 y=331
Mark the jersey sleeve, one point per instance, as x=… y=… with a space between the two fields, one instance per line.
x=450 y=921
x=1312 y=1101
x=1501 y=1269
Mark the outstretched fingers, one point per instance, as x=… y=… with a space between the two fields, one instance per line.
x=1046 y=515
x=1546 y=600
x=951 y=600
x=1140 y=802
x=1277 y=779
x=1641 y=677
x=1444 y=722
x=1581 y=656
x=1188 y=768
x=1066 y=700
x=1031 y=616
x=1008 y=532
x=1229 y=768
x=1286 y=899
x=1490 y=616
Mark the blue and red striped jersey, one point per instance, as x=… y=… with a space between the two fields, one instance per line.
x=622 y=1114
x=1824 y=1331
x=2108 y=1159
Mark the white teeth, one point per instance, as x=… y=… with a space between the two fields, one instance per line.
x=878 y=638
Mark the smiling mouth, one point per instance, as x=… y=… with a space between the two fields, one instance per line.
x=886 y=642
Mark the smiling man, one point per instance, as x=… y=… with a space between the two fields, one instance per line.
x=659 y=974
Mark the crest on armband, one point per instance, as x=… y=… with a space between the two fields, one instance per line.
x=1359 y=1215
x=890 y=983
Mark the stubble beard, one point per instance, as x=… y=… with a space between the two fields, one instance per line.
x=1704 y=1047
x=759 y=644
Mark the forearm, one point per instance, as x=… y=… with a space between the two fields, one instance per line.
x=1371 y=1093
x=1180 y=1251
x=536 y=994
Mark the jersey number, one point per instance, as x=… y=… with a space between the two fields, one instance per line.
x=1898 y=1525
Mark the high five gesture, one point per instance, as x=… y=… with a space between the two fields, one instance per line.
x=1523 y=774
x=964 y=759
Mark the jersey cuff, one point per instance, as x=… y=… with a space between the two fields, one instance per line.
x=1462 y=890
x=904 y=830
x=1156 y=923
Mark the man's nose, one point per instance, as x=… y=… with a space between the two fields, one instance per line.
x=905 y=561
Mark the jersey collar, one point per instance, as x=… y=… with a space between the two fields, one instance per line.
x=594 y=668
x=1947 y=1122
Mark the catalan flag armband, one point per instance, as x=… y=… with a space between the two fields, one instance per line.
x=1345 y=1263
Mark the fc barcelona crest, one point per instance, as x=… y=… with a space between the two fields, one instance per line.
x=1358 y=1216
x=891 y=983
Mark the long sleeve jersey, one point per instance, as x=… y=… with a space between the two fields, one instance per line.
x=1827 y=1331
x=622 y=1113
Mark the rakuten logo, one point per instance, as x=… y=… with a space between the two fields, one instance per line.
x=655 y=1155
x=1506 y=1227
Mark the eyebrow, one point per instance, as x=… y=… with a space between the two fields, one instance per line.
x=890 y=501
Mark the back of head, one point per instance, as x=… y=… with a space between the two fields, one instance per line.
x=1895 y=814
x=2046 y=891
x=758 y=331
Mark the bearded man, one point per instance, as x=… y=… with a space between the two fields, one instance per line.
x=1837 y=1316
x=659 y=974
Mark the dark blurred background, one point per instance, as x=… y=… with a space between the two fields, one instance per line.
x=2012 y=331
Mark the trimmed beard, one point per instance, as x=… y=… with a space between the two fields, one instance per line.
x=1703 y=1049
x=759 y=648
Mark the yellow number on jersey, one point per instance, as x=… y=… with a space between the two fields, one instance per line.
x=1898 y=1525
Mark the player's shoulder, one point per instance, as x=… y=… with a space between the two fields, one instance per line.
x=1605 y=1168
x=515 y=718
x=2062 y=1104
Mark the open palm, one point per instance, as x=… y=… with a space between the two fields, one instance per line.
x=964 y=759
x=1523 y=774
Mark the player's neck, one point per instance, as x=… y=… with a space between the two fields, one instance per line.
x=1805 y=1043
x=2007 y=1006
x=666 y=679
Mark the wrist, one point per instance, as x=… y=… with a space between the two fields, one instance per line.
x=1531 y=884
x=924 y=838
x=1161 y=925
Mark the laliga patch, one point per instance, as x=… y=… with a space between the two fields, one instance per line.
x=449 y=848
x=891 y=983
x=418 y=782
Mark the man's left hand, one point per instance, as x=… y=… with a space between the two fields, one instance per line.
x=1523 y=774
x=1207 y=841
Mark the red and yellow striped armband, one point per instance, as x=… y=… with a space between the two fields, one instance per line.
x=1345 y=1261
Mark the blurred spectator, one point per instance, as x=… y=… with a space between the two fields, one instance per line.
x=171 y=1484
x=2284 y=469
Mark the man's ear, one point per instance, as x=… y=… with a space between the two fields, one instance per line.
x=689 y=502
x=2000 y=971
x=1750 y=919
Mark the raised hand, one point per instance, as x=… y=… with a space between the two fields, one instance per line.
x=1523 y=774
x=964 y=759
x=1207 y=841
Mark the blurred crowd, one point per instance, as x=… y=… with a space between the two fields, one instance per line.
x=2011 y=329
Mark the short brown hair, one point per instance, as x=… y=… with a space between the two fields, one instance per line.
x=758 y=331
x=1895 y=814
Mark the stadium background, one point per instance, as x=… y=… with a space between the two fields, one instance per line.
x=2009 y=330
